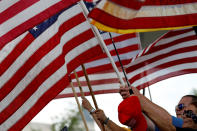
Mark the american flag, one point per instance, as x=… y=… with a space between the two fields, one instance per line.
x=121 y=16
x=17 y=16
x=101 y=74
x=34 y=68
x=173 y=54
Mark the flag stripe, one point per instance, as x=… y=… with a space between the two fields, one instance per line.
x=172 y=55
x=37 y=55
x=6 y=3
x=15 y=9
x=29 y=17
x=30 y=63
x=41 y=70
x=157 y=15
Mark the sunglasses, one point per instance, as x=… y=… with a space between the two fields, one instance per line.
x=180 y=107
x=190 y=114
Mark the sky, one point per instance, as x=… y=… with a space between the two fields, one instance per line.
x=166 y=93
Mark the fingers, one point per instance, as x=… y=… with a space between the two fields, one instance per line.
x=124 y=92
x=135 y=91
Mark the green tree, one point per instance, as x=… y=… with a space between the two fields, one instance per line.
x=71 y=120
x=195 y=92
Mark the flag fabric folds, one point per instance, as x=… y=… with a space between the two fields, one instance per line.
x=152 y=16
x=34 y=68
x=17 y=16
x=101 y=74
x=173 y=55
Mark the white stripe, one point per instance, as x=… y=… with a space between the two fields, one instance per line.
x=4 y=4
x=34 y=98
x=26 y=15
x=119 y=11
x=166 y=59
x=164 y=72
x=45 y=86
x=7 y=49
x=105 y=61
x=37 y=43
x=123 y=44
x=164 y=41
x=167 y=10
x=163 y=51
x=102 y=76
x=103 y=87
x=46 y=60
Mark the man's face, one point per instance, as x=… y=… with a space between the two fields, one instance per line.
x=185 y=101
x=187 y=121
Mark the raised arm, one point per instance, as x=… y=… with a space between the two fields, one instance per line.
x=156 y=113
x=86 y=104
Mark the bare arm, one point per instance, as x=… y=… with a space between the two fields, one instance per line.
x=109 y=123
x=156 y=113
x=86 y=104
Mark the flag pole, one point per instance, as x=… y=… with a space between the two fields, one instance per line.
x=80 y=110
x=97 y=34
x=79 y=84
x=82 y=94
x=89 y=86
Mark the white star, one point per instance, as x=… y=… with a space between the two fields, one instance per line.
x=35 y=28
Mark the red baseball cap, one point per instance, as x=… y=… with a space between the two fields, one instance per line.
x=129 y=109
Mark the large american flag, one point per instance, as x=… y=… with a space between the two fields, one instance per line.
x=101 y=74
x=126 y=16
x=173 y=54
x=34 y=68
x=17 y=16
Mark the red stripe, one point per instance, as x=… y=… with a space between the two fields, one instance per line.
x=120 y=38
x=138 y=23
x=163 y=77
x=132 y=4
x=16 y=9
x=163 y=66
x=31 y=88
x=168 y=2
x=100 y=68
x=53 y=91
x=37 y=56
x=98 y=82
x=157 y=58
x=40 y=104
x=16 y=52
x=121 y=51
x=177 y=32
x=34 y=21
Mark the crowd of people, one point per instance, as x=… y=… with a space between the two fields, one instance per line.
x=138 y=113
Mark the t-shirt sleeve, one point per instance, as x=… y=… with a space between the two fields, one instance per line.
x=177 y=122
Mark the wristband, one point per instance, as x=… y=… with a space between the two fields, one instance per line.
x=106 y=121
x=92 y=111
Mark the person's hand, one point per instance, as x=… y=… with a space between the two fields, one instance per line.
x=124 y=92
x=86 y=104
x=100 y=115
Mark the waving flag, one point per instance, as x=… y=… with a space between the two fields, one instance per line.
x=17 y=16
x=35 y=67
x=152 y=16
x=101 y=74
x=174 y=54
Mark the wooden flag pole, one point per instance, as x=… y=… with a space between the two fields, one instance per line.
x=82 y=94
x=89 y=86
x=97 y=34
x=80 y=110
x=79 y=84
